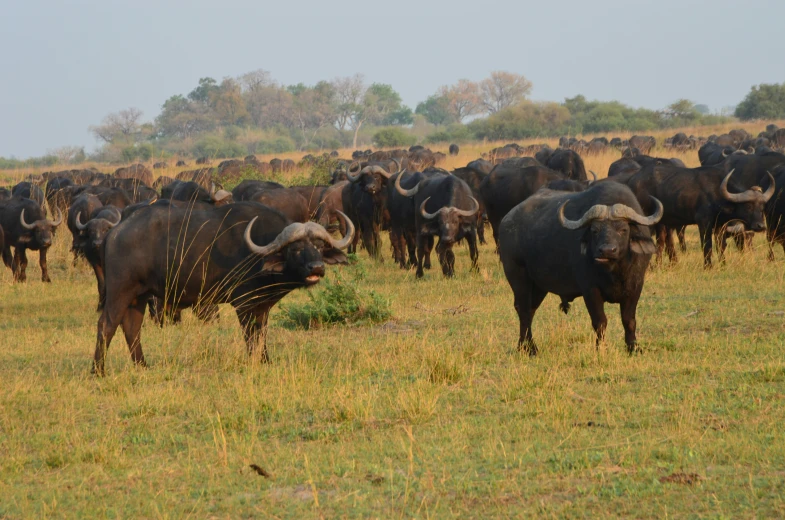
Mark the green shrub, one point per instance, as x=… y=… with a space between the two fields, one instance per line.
x=393 y=137
x=339 y=301
x=214 y=146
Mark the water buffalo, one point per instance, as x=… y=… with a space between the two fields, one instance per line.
x=594 y=244
x=569 y=163
x=702 y=196
x=444 y=208
x=454 y=150
x=244 y=254
x=25 y=226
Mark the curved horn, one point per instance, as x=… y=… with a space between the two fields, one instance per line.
x=398 y=166
x=289 y=234
x=317 y=231
x=25 y=224
x=597 y=211
x=59 y=220
x=427 y=215
x=593 y=175
x=769 y=193
x=79 y=225
x=119 y=217
x=377 y=169
x=626 y=212
x=724 y=154
x=346 y=240
x=406 y=193
x=350 y=176
x=467 y=212
x=738 y=198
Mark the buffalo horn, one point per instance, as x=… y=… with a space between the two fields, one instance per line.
x=79 y=224
x=297 y=231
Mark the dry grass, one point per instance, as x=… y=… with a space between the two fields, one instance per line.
x=432 y=415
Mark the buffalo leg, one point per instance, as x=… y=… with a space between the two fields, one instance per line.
x=99 y=278
x=595 y=304
x=527 y=300
x=111 y=317
x=740 y=240
x=481 y=229
x=132 y=328
x=42 y=263
x=670 y=248
x=446 y=259
x=20 y=265
x=474 y=254
x=722 y=245
x=429 y=247
x=705 y=234
x=661 y=232
x=422 y=240
x=411 y=245
x=628 y=308
x=682 y=239
x=254 y=325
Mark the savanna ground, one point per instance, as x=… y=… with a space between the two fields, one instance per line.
x=432 y=414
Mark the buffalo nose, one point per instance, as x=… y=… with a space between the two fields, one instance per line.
x=609 y=250
x=316 y=268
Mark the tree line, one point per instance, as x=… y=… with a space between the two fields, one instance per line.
x=253 y=113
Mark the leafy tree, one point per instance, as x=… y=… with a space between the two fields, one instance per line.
x=436 y=110
x=463 y=99
x=703 y=109
x=503 y=89
x=313 y=108
x=766 y=101
x=201 y=94
x=683 y=108
x=181 y=118
x=228 y=104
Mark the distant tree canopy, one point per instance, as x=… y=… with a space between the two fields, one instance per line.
x=763 y=102
x=252 y=113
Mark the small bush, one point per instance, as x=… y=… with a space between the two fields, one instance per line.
x=393 y=137
x=340 y=301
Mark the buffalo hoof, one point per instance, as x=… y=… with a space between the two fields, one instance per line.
x=46 y=279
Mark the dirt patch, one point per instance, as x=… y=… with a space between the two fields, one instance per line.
x=681 y=478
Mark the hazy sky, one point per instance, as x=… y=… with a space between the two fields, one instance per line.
x=65 y=65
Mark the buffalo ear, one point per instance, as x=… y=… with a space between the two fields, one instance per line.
x=274 y=264
x=334 y=256
x=642 y=246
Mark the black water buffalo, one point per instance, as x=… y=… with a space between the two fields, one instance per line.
x=703 y=196
x=5 y=194
x=31 y=191
x=312 y=195
x=569 y=163
x=444 y=208
x=712 y=154
x=403 y=226
x=191 y=191
x=92 y=229
x=644 y=143
x=454 y=149
x=246 y=189
x=505 y=188
x=286 y=200
x=25 y=226
x=365 y=201
x=474 y=179
x=594 y=244
x=245 y=254
x=775 y=213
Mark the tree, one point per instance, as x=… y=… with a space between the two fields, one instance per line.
x=703 y=109
x=349 y=92
x=227 y=102
x=255 y=80
x=682 y=108
x=119 y=126
x=68 y=154
x=313 y=108
x=182 y=118
x=502 y=90
x=436 y=110
x=201 y=94
x=766 y=101
x=463 y=99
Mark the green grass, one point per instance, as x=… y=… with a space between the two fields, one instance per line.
x=432 y=414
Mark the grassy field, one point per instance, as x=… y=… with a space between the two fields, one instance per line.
x=432 y=414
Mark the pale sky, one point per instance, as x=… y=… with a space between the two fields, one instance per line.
x=65 y=65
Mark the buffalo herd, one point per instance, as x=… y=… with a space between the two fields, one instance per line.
x=169 y=244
